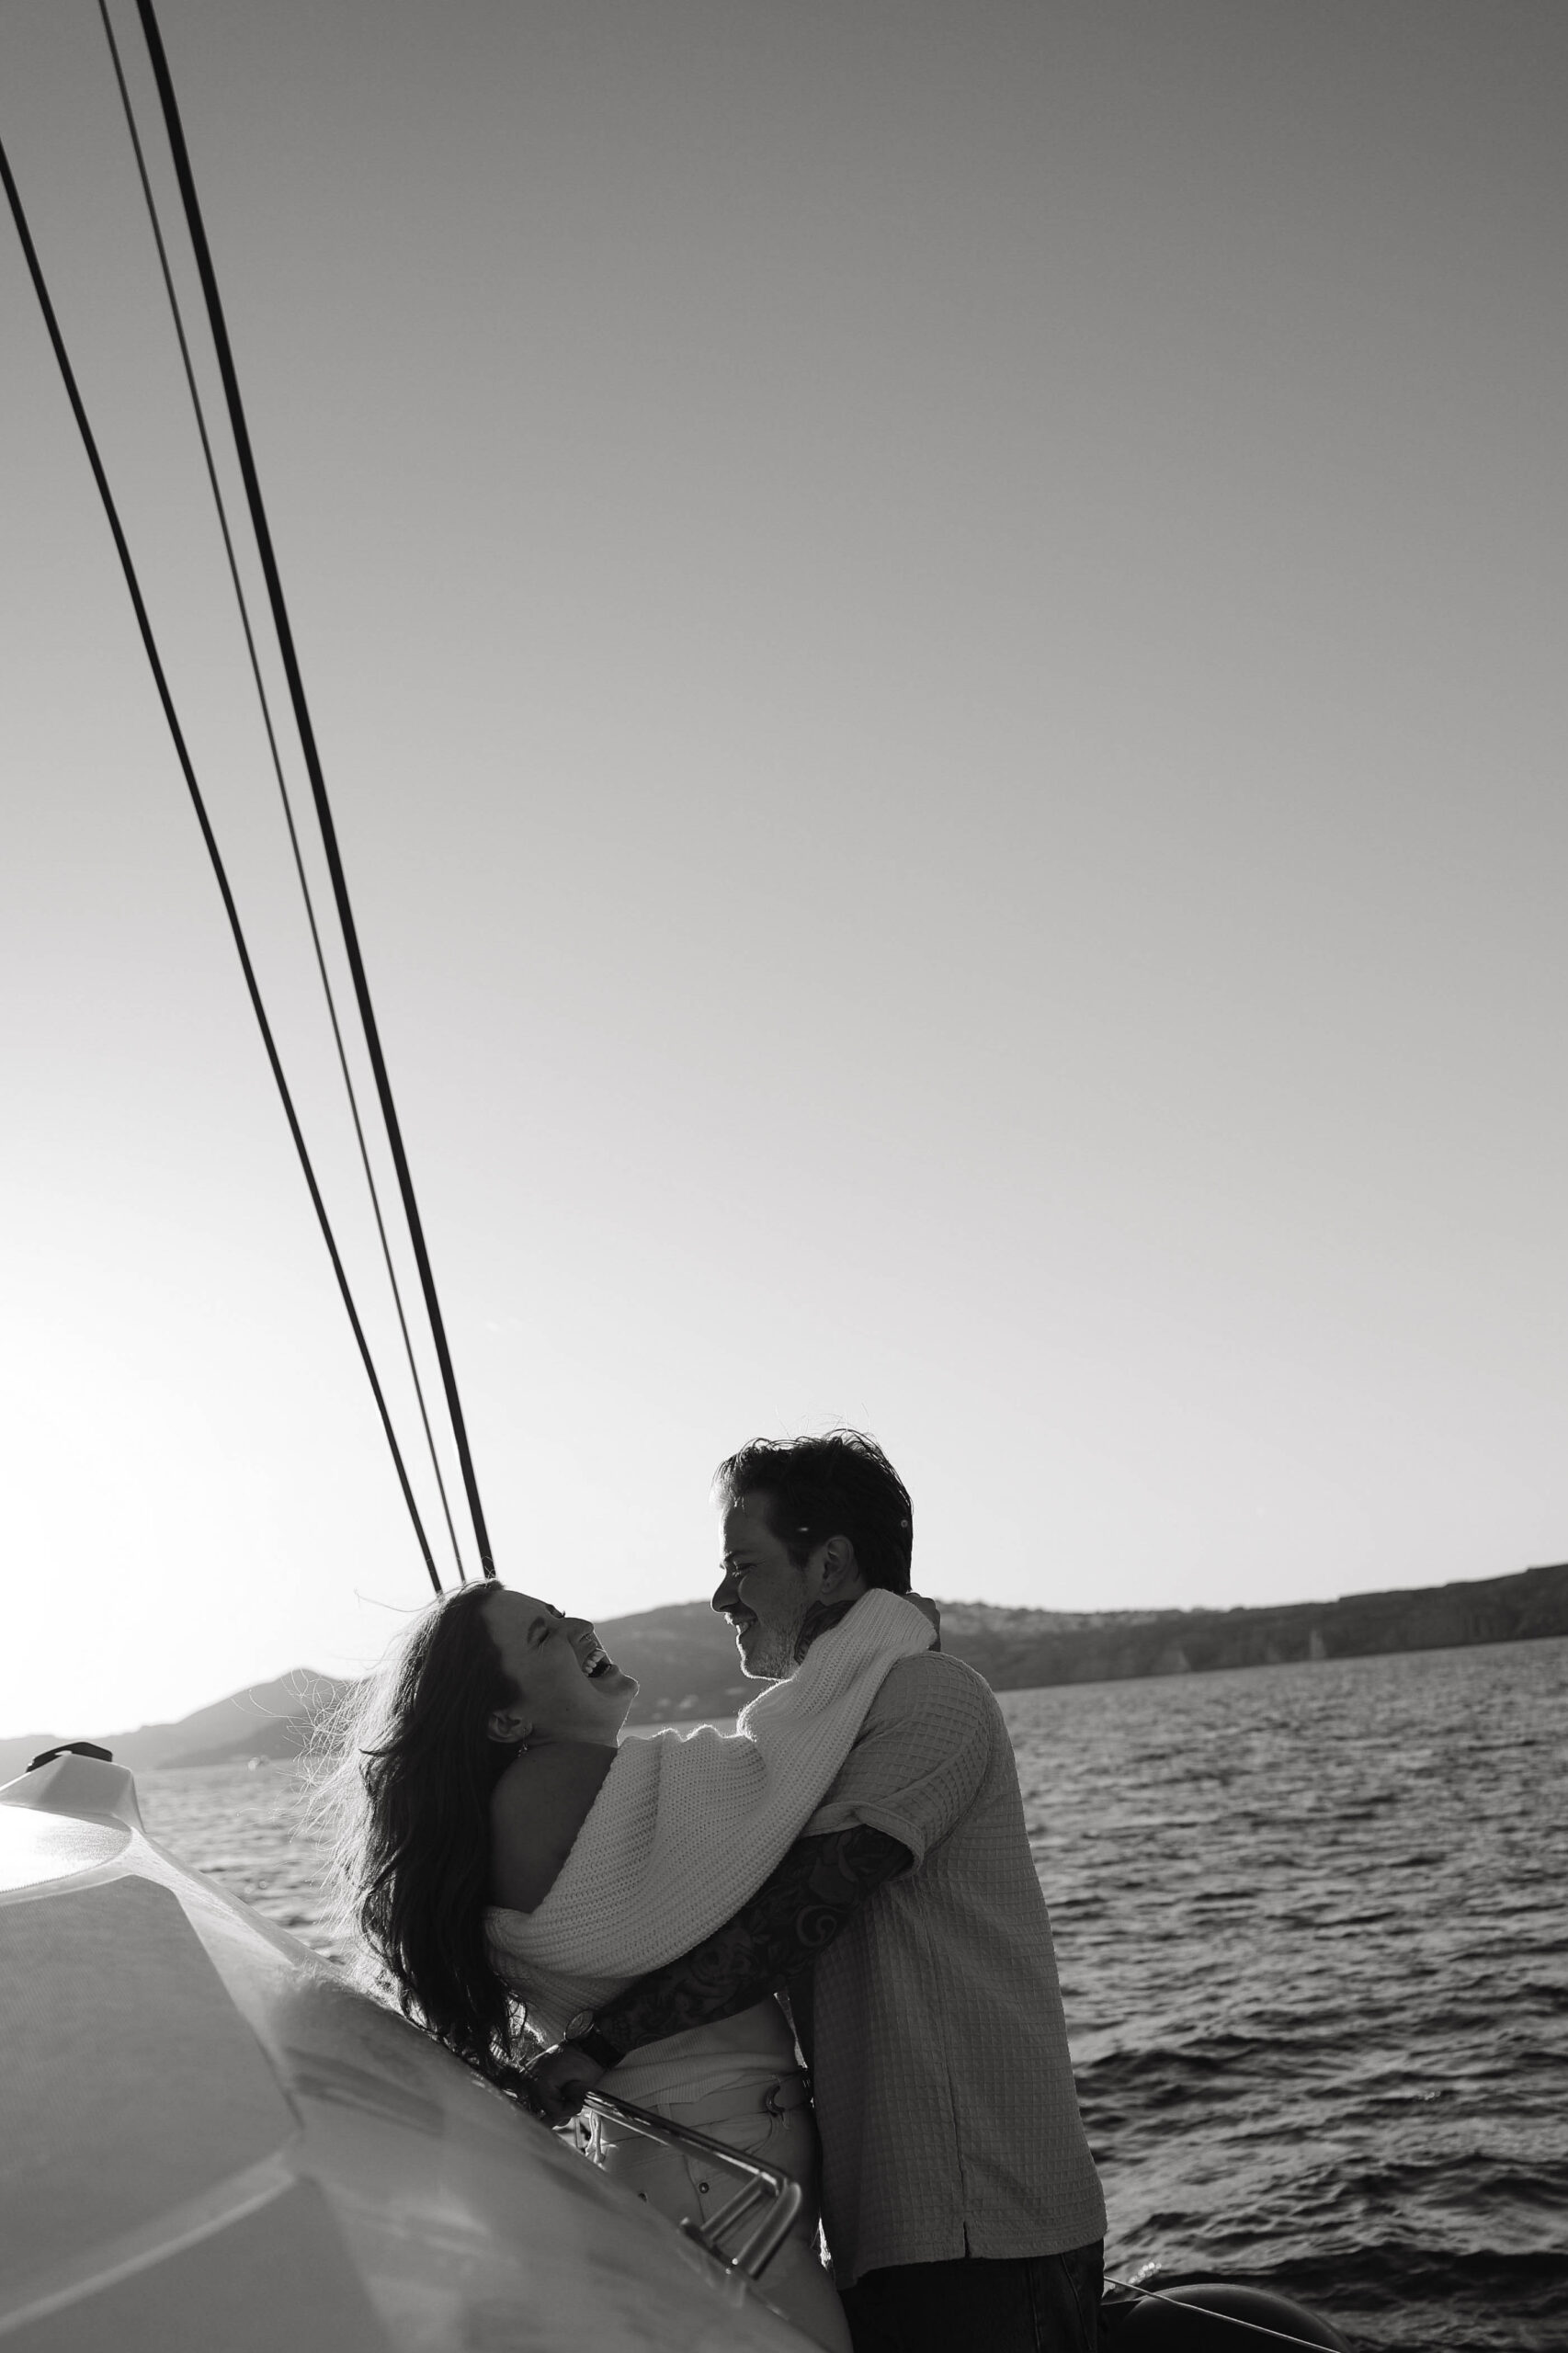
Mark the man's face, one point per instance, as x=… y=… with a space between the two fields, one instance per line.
x=763 y=1593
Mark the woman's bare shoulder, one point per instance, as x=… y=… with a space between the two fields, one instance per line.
x=536 y=1811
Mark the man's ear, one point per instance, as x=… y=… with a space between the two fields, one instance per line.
x=508 y=1725
x=838 y=1566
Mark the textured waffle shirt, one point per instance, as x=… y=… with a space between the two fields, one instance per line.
x=938 y=2051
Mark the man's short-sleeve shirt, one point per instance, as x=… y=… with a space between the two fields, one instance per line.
x=944 y=2092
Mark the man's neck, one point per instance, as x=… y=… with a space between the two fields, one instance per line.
x=823 y=1616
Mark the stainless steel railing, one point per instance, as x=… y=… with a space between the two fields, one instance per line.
x=765 y=2188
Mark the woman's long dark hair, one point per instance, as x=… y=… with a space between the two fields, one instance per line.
x=407 y=1808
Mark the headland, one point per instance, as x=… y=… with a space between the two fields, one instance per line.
x=683 y=1659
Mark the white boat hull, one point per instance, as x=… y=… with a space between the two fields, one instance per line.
x=211 y=2145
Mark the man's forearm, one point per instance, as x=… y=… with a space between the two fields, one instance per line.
x=794 y=1915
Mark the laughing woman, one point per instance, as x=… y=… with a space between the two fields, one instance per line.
x=509 y=1860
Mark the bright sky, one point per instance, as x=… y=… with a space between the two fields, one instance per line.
x=938 y=633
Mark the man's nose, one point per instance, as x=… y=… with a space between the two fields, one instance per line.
x=729 y=1591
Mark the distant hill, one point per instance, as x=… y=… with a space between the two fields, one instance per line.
x=688 y=1667
x=685 y=1661
x=267 y=1720
x=683 y=1656
x=1014 y=1656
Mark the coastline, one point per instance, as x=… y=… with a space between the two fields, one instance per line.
x=683 y=1659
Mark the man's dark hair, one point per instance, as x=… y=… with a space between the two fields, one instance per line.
x=839 y=1484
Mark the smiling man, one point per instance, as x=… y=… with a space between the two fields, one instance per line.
x=960 y=2199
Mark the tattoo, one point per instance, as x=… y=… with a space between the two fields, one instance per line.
x=793 y=1917
x=820 y=1618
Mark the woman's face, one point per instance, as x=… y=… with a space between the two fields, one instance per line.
x=568 y=1690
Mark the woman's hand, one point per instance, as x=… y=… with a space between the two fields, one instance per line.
x=559 y=2080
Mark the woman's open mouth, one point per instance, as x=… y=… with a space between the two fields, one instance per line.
x=595 y=1662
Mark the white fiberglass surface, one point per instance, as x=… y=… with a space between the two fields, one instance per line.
x=131 y=2084
x=37 y=1847
x=276 y=2279
x=199 y=2116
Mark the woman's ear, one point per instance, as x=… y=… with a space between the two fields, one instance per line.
x=508 y=1725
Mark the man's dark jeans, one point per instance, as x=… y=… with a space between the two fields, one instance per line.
x=1031 y=2304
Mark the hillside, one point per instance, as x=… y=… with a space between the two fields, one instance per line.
x=1015 y=1656
x=267 y=1720
x=684 y=1657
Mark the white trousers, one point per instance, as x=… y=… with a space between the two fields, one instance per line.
x=796 y=2282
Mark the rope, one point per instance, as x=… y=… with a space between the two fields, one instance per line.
x=36 y=272
x=312 y=757
x=1230 y=2320
x=262 y=697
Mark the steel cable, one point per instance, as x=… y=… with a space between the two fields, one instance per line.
x=283 y=792
x=306 y=732
x=182 y=753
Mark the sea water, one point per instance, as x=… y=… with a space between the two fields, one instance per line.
x=1313 y=1929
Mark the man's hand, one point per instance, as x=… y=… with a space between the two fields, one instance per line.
x=928 y=1609
x=560 y=2080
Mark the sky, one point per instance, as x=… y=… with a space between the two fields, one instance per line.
x=936 y=636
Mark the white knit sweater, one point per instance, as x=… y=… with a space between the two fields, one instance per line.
x=689 y=1824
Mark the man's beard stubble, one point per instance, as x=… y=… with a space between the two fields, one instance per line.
x=776 y=1651
x=770 y=1653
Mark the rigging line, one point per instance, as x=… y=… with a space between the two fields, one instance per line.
x=312 y=757
x=218 y=501
x=36 y=272
x=1226 y=2319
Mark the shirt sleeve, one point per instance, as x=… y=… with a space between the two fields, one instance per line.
x=920 y=1758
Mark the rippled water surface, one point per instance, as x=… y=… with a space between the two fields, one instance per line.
x=1311 y=1923
x=1313 y=1928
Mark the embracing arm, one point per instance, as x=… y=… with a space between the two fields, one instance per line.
x=794 y=1915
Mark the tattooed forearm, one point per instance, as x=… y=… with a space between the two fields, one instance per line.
x=793 y=1917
